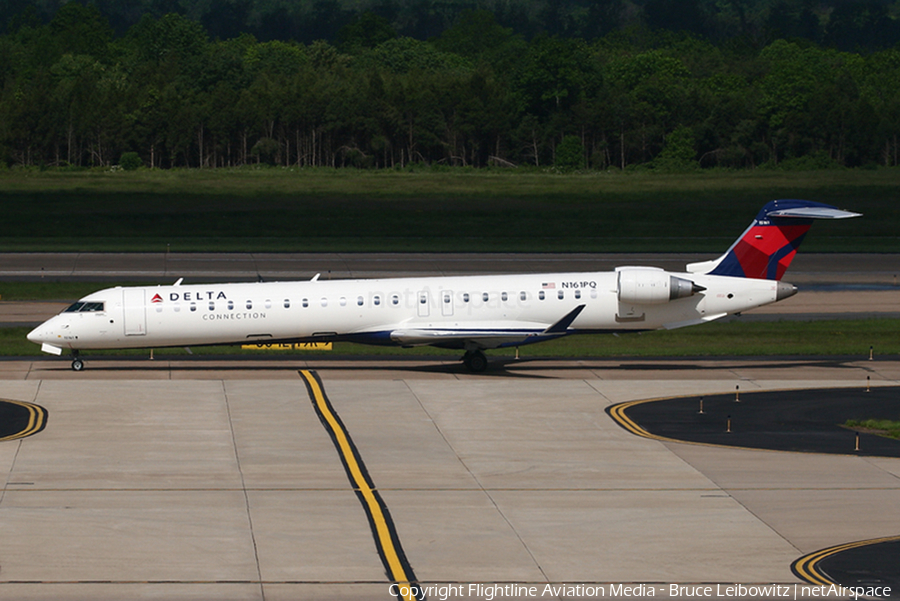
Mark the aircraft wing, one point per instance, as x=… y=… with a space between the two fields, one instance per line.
x=454 y=338
x=486 y=335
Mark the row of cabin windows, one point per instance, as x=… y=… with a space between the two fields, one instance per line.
x=523 y=296
x=447 y=298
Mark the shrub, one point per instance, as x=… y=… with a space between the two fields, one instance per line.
x=569 y=154
x=130 y=161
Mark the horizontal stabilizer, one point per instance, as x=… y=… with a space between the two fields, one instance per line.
x=814 y=213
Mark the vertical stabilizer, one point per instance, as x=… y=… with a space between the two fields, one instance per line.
x=767 y=247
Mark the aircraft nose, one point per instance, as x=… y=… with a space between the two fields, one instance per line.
x=36 y=335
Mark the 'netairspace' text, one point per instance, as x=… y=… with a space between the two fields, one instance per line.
x=489 y=592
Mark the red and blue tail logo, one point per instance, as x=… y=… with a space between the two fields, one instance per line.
x=768 y=246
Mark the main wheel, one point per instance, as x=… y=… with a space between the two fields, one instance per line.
x=77 y=364
x=475 y=361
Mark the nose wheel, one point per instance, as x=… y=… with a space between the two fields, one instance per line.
x=77 y=363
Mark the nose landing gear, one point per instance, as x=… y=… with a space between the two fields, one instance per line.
x=77 y=363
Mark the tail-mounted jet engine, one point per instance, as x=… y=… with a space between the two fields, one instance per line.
x=652 y=286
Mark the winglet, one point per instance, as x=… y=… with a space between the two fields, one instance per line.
x=561 y=326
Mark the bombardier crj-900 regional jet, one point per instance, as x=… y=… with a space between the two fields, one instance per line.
x=470 y=313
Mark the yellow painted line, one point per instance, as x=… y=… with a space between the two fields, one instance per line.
x=385 y=537
x=807 y=567
x=617 y=412
x=37 y=419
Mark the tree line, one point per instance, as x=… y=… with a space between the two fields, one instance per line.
x=850 y=25
x=163 y=93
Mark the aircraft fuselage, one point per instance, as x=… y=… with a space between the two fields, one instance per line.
x=516 y=309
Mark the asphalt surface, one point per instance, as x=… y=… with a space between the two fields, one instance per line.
x=867 y=565
x=807 y=421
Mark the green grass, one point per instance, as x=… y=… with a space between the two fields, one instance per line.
x=281 y=210
x=784 y=338
x=882 y=427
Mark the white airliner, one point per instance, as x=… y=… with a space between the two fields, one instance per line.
x=470 y=313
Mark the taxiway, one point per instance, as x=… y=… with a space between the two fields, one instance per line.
x=216 y=479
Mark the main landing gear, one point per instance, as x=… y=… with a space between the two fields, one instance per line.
x=77 y=363
x=475 y=361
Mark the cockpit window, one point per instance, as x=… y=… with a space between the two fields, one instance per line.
x=83 y=307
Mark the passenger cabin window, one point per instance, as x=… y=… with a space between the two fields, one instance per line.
x=287 y=303
x=249 y=304
x=593 y=293
x=343 y=301
x=85 y=307
x=305 y=302
x=395 y=300
x=560 y=294
x=523 y=296
x=193 y=306
x=324 y=302
x=504 y=296
x=212 y=305
x=578 y=294
x=231 y=305
x=465 y=297
x=376 y=300
x=541 y=295
x=484 y=297
x=360 y=301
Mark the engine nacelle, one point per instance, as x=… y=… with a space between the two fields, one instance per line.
x=652 y=286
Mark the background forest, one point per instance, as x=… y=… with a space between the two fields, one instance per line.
x=662 y=84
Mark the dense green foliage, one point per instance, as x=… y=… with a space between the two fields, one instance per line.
x=842 y=24
x=77 y=92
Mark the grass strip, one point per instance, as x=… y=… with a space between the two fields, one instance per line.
x=280 y=210
x=881 y=427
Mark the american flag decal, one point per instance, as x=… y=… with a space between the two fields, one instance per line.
x=548 y=285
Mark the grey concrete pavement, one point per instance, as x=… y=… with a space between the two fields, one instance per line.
x=164 y=483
